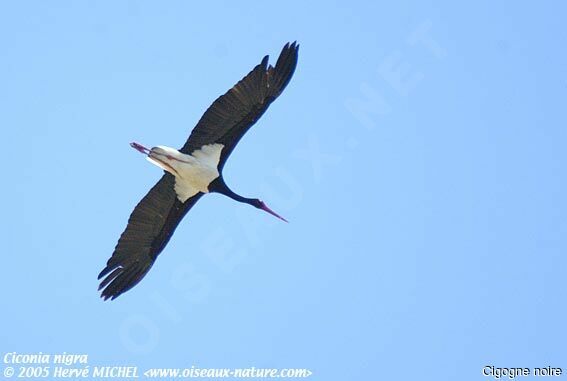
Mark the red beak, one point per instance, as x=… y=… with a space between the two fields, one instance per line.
x=265 y=208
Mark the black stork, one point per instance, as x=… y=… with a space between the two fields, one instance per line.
x=192 y=171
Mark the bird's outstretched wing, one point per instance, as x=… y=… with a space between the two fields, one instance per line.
x=156 y=216
x=149 y=228
x=232 y=114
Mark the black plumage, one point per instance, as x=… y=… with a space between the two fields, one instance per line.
x=232 y=114
x=157 y=215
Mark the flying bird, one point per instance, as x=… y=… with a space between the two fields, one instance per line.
x=192 y=171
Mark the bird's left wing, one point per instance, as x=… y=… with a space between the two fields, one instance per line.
x=232 y=114
x=149 y=228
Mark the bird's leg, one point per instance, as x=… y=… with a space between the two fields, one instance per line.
x=141 y=148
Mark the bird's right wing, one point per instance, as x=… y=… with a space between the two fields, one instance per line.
x=149 y=229
x=232 y=114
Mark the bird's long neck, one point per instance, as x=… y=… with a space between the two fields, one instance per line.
x=219 y=186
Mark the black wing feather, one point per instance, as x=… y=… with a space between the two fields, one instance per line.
x=232 y=114
x=156 y=216
x=149 y=229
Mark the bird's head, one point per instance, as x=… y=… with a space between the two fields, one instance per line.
x=261 y=205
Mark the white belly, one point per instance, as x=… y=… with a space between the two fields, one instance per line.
x=193 y=173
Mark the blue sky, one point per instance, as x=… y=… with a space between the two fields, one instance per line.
x=418 y=152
